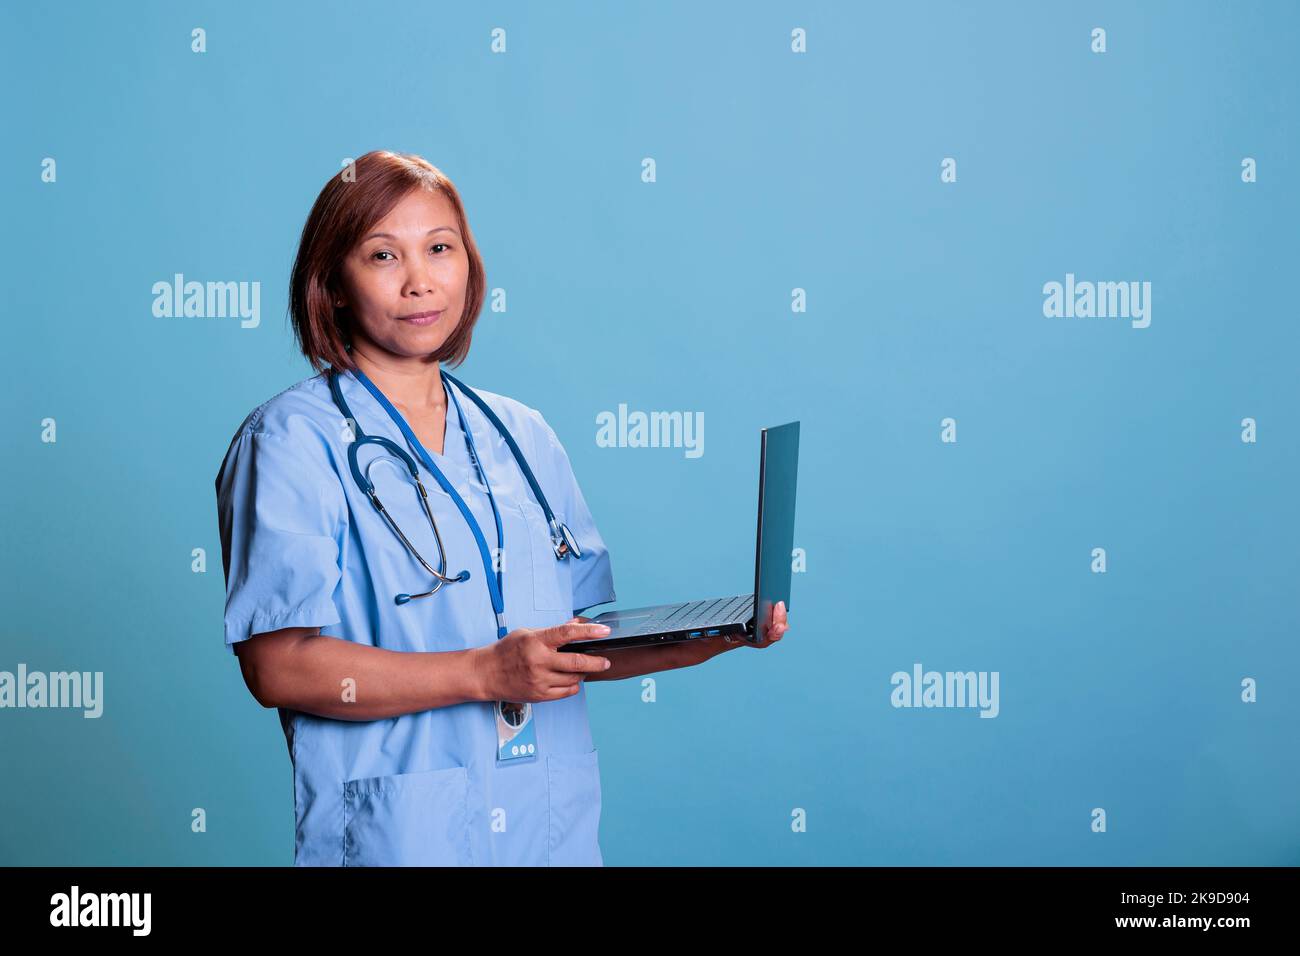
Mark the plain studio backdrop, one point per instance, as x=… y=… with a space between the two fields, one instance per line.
x=739 y=210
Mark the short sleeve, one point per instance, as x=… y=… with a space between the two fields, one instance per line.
x=281 y=511
x=593 y=575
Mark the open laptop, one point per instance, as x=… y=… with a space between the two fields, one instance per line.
x=778 y=466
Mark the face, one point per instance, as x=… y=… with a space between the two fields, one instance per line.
x=411 y=262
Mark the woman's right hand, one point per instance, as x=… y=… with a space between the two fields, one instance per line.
x=526 y=667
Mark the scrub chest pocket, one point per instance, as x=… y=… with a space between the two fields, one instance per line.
x=550 y=575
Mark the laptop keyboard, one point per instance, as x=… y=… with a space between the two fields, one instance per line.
x=708 y=611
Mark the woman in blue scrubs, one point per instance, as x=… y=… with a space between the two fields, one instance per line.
x=390 y=709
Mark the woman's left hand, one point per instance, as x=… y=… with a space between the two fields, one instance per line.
x=777 y=625
x=689 y=653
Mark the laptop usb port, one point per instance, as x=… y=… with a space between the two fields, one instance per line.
x=695 y=633
x=712 y=632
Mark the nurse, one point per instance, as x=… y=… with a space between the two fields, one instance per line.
x=443 y=729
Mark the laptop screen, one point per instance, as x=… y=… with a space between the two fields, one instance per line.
x=778 y=469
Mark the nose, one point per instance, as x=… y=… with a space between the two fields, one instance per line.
x=420 y=278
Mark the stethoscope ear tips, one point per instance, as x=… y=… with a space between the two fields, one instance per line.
x=406 y=598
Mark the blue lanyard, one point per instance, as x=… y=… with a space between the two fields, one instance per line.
x=492 y=574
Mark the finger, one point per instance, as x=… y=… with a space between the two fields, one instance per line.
x=558 y=682
x=579 y=663
x=563 y=691
x=564 y=633
x=773 y=624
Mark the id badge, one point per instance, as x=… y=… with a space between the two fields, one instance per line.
x=516 y=735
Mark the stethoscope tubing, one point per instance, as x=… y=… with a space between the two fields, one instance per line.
x=561 y=538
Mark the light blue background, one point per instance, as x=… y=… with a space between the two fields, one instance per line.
x=775 y=171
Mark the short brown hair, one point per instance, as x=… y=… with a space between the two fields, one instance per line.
x=345 y=211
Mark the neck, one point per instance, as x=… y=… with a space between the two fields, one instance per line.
x=408 y=383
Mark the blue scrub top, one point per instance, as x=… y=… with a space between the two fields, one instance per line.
x=302 y=546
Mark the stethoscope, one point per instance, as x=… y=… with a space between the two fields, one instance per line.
x=562 y=540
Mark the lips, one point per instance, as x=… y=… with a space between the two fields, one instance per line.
x=422 y=318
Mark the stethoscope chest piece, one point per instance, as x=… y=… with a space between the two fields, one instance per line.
x=563 y=541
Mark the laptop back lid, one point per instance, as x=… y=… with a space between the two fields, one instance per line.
x=777 y=473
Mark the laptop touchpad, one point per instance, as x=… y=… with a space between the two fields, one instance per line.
x=621 y=618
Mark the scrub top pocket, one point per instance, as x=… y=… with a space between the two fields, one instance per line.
x=408 y=819
x=550 y=591
x=573 y=789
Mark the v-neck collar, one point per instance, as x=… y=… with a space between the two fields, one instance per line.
x=452 y=423
x=454 y=460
